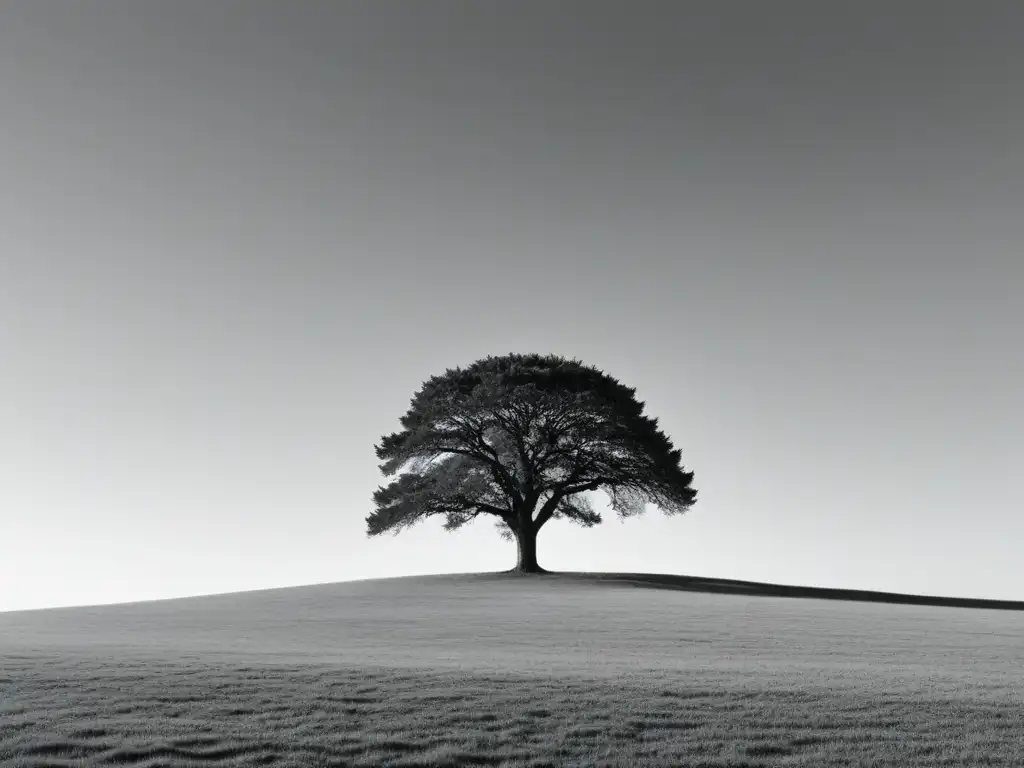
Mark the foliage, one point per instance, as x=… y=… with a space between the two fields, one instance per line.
x=522 y=438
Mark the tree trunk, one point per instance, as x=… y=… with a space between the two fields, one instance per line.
x=527 y=541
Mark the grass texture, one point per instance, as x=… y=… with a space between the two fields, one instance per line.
x=503 y=670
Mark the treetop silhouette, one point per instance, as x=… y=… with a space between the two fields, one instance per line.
x=522 y=438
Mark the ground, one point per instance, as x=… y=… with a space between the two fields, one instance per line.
x=507 y=670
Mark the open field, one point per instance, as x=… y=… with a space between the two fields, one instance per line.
x=499 y=670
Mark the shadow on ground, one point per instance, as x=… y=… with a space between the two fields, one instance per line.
x=730 y=586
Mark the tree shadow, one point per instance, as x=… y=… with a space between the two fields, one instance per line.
x=735 y=587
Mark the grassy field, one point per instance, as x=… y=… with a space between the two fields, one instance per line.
x=500 y=670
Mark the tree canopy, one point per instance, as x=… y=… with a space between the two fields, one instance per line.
x=523 y=438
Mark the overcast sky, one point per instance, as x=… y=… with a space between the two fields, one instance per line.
x=235 y=237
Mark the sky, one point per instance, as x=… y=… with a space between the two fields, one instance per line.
x=237 y=236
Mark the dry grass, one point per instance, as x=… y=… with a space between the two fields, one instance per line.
x=452 y=671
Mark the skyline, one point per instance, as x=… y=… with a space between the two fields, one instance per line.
x=237 y=238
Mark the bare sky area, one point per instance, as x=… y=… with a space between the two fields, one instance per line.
x=235 y=237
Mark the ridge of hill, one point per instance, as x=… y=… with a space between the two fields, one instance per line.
x=702 y=584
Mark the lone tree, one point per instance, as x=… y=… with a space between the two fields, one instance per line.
x=523 y=438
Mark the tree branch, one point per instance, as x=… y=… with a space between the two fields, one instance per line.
x=547 y=511
x=591 y=485
x=498 y=471
x=560 y=492
x=491 y=509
